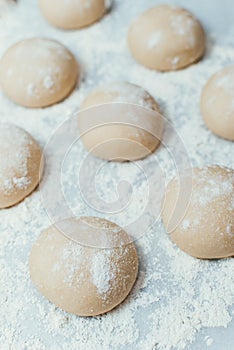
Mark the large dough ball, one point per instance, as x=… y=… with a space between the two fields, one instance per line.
x=166 y=38
x=84 y=280
x=38 y=72
x=217 y=103
x=109 y=137
x=20 y=164
x=207 y=227
x=73 y=14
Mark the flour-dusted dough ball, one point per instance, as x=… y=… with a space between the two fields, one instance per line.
x=38 y=72
x=74 y=14
x=166 y=38
x=83 y=280
x=21 y=164
x=121 y=142
x=207 y=227
x=217 y=103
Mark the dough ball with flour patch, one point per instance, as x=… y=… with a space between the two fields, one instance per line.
x=82 y=279
x=120 y=129
x=166 y=38
x=74 y=14
x=217 y=103
x=206 y=228
x=38 y=72
x=20 y=164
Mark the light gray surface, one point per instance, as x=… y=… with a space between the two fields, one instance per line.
x=217 y=17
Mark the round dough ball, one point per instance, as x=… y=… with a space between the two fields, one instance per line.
x=207 y=228
x=73 y=14
x=38 y=72
x=217 y=103
x=166 y=38
x=121 y=142
x=20 y=164
x=84 y=280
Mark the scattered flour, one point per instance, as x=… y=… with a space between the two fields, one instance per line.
x=15 y=152
x=185 y=224
x=183 y=25
x=208 y=191
x=175 y=296
x=48 y=82
x=31 y=89
x=155 y=39
x=175 y=61
x=101 y=271
x=209 y=341
x=129 y=93
x=226 y=81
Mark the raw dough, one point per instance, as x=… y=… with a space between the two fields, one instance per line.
x=38 y=72
x=207 y=228
x=121 y=142
x=20 y=168
x=166 y=38
x=83 y=280
x=73 y=14
x=217 y=103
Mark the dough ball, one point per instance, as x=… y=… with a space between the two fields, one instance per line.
x=207 y=228
x=217 y=103
x=38 y=72
x=20 y=164
x=109 y=137
x=166 y=38
x=84 y=280
x=73 y=14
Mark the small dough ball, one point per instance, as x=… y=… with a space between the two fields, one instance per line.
x=207 y=228
x=74 y=14
x=166 y=38
x=38 y=72
x=217 y=103
x=84 y=280
x=121 y=142
x=20 y=164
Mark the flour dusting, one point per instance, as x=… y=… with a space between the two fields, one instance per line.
x=155 y=39
x=129 y=93
x=177 y=300
x=15 y=151
x=101 y=271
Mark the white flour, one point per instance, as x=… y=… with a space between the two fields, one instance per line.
x=101 y=274
x=14 y=165
x=176 y=297
x=155 y=39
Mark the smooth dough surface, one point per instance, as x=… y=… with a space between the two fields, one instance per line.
x=166 y=38
x=121 y=142
x=20 y=164
x=217 y=103
x=74 y=14
x=83 y=280
x=38 y=72
x=207 y=227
